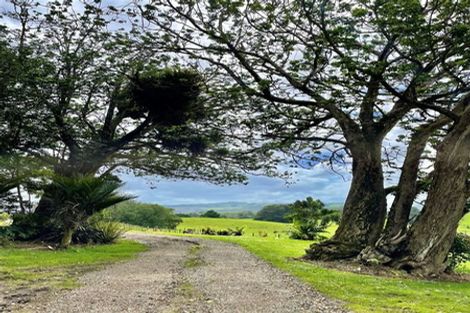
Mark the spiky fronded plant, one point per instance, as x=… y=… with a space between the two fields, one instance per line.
x=75 y=199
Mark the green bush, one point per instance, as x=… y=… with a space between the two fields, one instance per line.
x=143 y=214
x=311 y=219
x=274 y=213
x=238 y=231
x=99 y=229
x=309 y=230
x=107 y=231
x=75 y=199
x=211 y=213
x=24 y=227
x=4 y=218
x=459 y=252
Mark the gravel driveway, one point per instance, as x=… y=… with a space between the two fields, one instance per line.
x=188 y=275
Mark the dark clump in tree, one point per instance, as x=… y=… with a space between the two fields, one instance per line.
x=274 y=213
x=171 y=96
x=211 y=213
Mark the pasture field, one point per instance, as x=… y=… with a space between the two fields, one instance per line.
x=362 y=293
x=36 y=266
x=250 y=227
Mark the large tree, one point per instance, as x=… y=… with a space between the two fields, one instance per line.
x=111 y=103
x=424 y=246
x=316 y=72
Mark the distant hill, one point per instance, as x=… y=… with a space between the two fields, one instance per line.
x=232 y=206
x=335 y=206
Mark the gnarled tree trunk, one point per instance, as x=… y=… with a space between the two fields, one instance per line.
x=364 y=210
x=429 y=240
x=398 y=216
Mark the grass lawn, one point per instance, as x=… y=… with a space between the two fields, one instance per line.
x=34 y=266
x=464 y=226
x=361 y=293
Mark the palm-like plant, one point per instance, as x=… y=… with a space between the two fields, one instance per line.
x=75 y=199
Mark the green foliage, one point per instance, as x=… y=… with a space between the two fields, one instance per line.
x=74 y=199
x=238 y=231
x=459 y=252
x=4 y=217
x=24 y=227
x=211 y=214
x=99 y=229
x=274 y=213
x=5 y=236
x=238 y=215
x=143 y=214
x=311 y=219
x=107 y=231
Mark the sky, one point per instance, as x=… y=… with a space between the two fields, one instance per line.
x=319 y=182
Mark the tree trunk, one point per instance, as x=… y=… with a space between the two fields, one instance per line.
x=364 y=210
x=67 y=237
x=398 y=216
x=429 y=240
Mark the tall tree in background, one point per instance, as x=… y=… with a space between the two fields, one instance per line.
x=327 y=74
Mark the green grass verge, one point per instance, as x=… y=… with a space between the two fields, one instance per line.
x=36 y=266
x=361 y=293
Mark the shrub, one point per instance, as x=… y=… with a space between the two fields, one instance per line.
x=211 y=213
x=311 y=219
x=238 y=231
x=459 y=252
x=4 y=219
x=99 y=229
x=143 y=214
x=223 y=232
x=107 y=231
x=208 y=231
x=309 y=230
x=24 y=227
x=75 y=199
x=274 y=213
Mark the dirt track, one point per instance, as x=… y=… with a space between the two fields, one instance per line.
x=187 y=275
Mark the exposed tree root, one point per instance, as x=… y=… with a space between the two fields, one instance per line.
x=332 y=250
